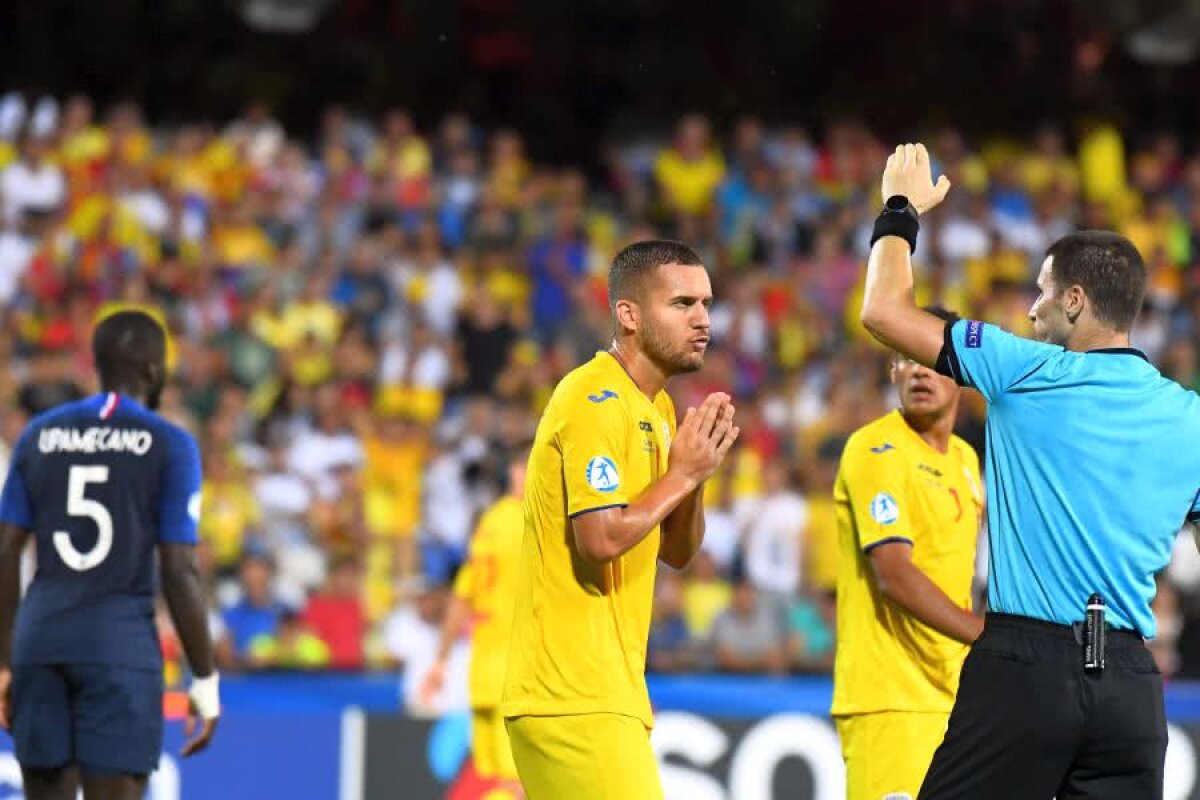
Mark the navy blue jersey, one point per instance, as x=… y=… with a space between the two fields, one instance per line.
x=100 y=482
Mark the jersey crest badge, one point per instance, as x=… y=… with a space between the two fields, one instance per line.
x=602 y=474
x=884 y=509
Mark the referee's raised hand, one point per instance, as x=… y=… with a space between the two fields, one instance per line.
x=908 y=173
x=704 y=437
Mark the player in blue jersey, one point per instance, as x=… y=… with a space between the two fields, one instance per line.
x=1092 y=467
x=101 y=484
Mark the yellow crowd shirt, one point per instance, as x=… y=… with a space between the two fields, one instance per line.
x=579 y=628
x=488 y=583
x=893 y=486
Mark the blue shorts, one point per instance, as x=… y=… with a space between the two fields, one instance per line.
x=107 y=719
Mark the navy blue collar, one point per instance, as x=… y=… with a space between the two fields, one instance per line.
x=1128 y=351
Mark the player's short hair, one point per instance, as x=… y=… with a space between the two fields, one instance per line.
x=125 y=344
x=1110 y=270
x=638 y=261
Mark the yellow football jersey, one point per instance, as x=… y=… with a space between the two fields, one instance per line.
x=893 y=486
x=580 y=629
x=488 y=583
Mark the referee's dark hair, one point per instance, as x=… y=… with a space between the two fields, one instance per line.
x=1110 y=270
x=130 y=351
x=635 y=263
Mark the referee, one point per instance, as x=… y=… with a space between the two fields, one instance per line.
x=1093 y=464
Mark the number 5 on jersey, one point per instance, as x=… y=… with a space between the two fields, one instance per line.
x=79 y=506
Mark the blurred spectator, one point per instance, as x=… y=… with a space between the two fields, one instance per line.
x=291 y=646
x=33 y=186
x=336 y=615
x=811 y=629
x=1168 y=619
x=774 y=539
x=705 y=596
x=690 y=170
x=411 y=635
x=748 y=636
x=229 y=512
x=670 y=647
x=256 y=612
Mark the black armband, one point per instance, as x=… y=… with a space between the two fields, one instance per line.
x=947 y=360
x=898 y=218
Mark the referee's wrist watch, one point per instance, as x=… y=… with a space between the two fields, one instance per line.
x=898 y=218
x=898 y=204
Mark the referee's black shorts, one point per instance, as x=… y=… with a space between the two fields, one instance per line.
x=1030 y=724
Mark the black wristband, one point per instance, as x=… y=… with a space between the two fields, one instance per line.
x=898 y=218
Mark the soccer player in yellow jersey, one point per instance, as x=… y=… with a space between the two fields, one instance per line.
x=908 y=500
x=612 y=488
x=483 y=598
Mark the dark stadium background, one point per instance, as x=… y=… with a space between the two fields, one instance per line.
x=573 y=73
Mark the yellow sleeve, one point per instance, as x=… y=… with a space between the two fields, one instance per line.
x=875 y=478
x=464 y=581
x=593 y=436
x=473 y=572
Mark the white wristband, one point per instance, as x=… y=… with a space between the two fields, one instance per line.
x=206 y=696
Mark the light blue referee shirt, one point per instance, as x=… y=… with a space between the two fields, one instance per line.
x=1093 y=465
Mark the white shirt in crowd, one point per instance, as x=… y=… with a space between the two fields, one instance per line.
x=774 y=542
x=720 y=536
x=414 y=642
x=316 y=455
x=440 y=296
x=25 y=186
x=448 y=510
x=16 y=253
x=431 y=369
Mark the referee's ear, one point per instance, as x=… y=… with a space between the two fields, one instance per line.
x=1074 y=302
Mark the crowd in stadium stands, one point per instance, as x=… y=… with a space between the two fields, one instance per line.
x=365 y=323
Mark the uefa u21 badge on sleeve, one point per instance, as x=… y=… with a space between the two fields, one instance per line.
x=602 y=474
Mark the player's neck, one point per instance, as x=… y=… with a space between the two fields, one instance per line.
x=1094 y=337
x=137 y=394
x=936 y=430
x=642 y=371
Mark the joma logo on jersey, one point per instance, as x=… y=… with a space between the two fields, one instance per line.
x=883 y=448
x=937 y=473
x=600 y=398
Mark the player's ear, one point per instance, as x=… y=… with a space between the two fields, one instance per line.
x=628 y=315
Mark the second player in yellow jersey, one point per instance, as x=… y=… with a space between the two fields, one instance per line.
x=484 y=595
x=908 y=500
x=612 y=488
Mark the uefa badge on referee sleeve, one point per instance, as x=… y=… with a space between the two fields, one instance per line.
x=884 y=509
